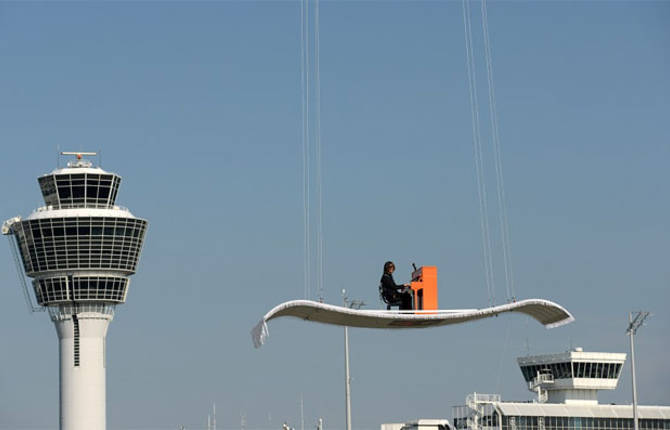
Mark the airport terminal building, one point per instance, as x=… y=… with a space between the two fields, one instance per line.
x=566 y=385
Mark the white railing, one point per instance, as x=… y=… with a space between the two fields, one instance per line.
x=541 y=379
x=475 y=398
x=81 y=206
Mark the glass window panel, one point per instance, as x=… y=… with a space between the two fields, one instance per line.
x=64 y=191
x=77 y=191
x=91 y=191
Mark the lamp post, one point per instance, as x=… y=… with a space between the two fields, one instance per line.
x=633 y=324
x=355 y=304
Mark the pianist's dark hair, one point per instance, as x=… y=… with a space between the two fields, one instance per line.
x=387 y=265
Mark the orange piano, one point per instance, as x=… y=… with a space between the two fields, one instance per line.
x=424 y=286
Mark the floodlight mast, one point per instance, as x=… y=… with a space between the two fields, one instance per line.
x=354 y=304
x=80 y=249
x=634 y=324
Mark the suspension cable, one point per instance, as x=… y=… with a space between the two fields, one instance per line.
x=14 y=245
x=479 y=167
x=304 y=84
x=319 y=163
x=311 y=148
x=500 y=184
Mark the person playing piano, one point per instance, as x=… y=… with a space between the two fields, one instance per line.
x=394 y=292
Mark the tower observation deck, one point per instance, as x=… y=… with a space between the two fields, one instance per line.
x=567 y=385
x=80 y=250
x=572 y=377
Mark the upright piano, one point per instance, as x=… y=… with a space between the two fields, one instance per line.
x=424 y=286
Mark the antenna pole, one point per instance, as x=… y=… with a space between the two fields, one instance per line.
x=633 y=324
x=302 y=413
x=347 y=379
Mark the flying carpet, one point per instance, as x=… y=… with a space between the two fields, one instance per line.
x=545 y=312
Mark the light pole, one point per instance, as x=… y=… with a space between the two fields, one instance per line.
x=347 y=380
x=634 y=324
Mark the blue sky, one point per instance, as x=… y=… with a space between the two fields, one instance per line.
x=197 y=107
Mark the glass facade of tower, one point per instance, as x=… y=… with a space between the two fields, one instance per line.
x=64 y=289
x=80 y=248
x=76 y=190
x=573 y=369
x=76 y=243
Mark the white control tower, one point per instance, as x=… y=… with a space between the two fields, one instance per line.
x=80 y=250
x=572 y=377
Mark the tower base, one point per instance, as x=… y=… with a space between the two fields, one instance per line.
x=82 y=331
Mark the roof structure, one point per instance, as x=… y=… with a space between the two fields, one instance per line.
x=571 y=410
x=545 y=312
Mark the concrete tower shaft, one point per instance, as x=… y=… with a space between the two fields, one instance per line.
x=80 y=250
x=81 y=342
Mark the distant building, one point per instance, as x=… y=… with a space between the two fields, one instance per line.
x=566 y=385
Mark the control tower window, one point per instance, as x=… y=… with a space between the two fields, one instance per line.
x=51 y=290
x=80 y=190
x=566 y=370
x=79 y=243
x=48 y=188
x=597 y=370
x=99 y=288
x=78 y=183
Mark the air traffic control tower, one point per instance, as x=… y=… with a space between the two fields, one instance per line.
x=79 y=249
